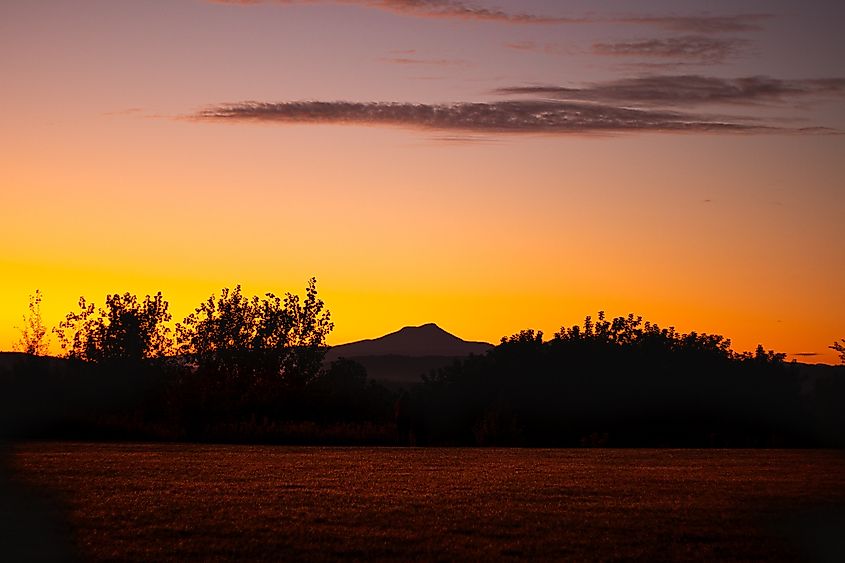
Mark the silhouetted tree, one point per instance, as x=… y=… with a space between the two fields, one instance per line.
x=34 y=339
x=839 y=347
x=125 y=330
x=256 y=341
x=311 y=325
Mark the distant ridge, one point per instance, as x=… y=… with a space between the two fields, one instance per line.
x=414 y=341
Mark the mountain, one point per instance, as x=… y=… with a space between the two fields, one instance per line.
x=403 y=356
x=415 y=341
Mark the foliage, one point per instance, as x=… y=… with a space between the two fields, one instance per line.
x=632 y=332
x=257 y=341
x=624 y=382
x=247 y=368
x=839 y=347
x=126 y=329
x=34 y=338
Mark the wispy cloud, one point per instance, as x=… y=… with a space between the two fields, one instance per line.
x=691 y=48
x=504 y=117
x=688 y=90
x=410 y=61
x=702 y=23
x=533 y=46
x=522 y=45
x=457 y=9
x=452 y=9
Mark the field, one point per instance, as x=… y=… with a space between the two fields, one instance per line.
x=190 y=502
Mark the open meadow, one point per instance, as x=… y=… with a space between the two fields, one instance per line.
x=196 y=502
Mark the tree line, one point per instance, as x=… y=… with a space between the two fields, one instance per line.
x=618 y=382
x=251 y=369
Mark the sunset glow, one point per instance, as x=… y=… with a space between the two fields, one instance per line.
x=488 y=166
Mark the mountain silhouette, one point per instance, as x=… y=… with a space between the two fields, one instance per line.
x=415 y=341
x=401 y=357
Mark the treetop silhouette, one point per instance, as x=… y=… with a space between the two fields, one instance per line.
x=238 y=337
x=34 y=338
x=839 y=347
x=126 y=329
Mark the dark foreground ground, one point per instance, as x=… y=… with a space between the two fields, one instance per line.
x=188 y=502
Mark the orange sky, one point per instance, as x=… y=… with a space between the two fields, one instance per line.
x=112 y=181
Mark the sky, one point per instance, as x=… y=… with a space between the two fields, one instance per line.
x=487 y=166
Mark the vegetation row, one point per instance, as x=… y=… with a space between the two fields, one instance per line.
x=251 y=369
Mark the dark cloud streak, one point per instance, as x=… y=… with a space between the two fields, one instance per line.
x=505 y=117
x=451 y=9
x=688 y=90
x=457 y=9
x=702 y=23
x=532 y=46
x=697 y=48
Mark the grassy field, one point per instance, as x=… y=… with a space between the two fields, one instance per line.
x=188 y=502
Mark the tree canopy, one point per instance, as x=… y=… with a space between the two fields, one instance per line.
x=236 y=337
x=125 y=329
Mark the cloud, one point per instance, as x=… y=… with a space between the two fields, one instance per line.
x=457 y=9
x=688 y=90
x=452 y=9
x=644 y=104
x=423 y=62
x=695 y=48
x=522 y=45
x=504 y=117
x=702 y=23
x=532 y=46
x=805 y=354
x=463 y=139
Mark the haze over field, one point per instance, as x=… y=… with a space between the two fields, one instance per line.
x=489 y=165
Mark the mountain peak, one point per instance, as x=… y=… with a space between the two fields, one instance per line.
x=424 y=340
x=427 y=327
